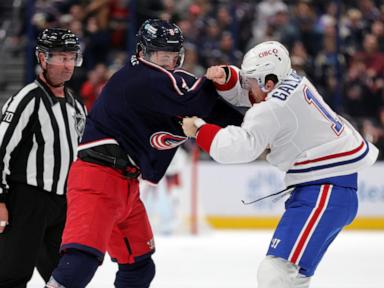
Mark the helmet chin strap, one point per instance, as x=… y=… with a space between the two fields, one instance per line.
x=50 y=82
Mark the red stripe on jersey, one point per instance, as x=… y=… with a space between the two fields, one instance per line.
x=233 y=78
x=308 y=229
x=347 y=153
x=206 y=134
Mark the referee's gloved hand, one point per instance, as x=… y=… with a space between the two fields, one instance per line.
x=3 y=217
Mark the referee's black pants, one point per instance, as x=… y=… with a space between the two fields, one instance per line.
x=33 y=236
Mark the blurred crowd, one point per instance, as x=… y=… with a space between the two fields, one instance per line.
x=340 y=48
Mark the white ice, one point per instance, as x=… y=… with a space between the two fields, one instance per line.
x=229 y=259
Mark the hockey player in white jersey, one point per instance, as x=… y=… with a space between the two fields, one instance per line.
x=320 y=152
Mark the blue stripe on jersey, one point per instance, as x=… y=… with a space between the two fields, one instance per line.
x=331 y=164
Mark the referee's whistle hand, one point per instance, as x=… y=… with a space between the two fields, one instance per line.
x=3 y=217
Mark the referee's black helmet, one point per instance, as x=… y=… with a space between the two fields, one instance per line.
x=57 y=40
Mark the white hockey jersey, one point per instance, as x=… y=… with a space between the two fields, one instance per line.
x=306 y=138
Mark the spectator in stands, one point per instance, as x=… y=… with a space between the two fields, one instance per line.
x=91 y=88
x=371 y=55
x=265 y=10
x=283 y=30
x=377 y=29
x=224 y=19
x=97 y=43
x=228 y=50
x=369 y=10
x=191 y=62
x=204 y=23
x=354 y=29
x=328 y=64
x=305 y=20
x=118 y=24
x=210 y=40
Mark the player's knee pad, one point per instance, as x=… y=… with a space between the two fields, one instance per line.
x=76 y=269
x=137 y=275
x=277 y=272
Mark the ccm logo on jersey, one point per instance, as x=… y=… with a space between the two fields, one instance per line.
x=268 y=52
x=164 y=140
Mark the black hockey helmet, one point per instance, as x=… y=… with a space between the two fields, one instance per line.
x=59 y=40
x=56 y=39
x=159 y=35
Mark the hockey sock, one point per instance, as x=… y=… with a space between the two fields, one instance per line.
x=277 y=272
x=137 y=275
x=75 y=269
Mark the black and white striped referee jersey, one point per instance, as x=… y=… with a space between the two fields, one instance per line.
x=39 y=134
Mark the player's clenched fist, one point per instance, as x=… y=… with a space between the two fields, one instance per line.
x=189 y=127
x=216 y=74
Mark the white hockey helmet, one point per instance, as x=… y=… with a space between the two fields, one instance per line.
x=267 y=58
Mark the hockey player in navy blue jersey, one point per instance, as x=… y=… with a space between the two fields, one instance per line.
x=133 y=129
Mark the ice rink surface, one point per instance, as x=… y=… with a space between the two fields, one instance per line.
x=229 y=259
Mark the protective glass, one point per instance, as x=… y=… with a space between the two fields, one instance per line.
x=180 y=61
x=170 y=59
x=62 y=58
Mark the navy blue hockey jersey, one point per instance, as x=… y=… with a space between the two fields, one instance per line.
x=140 y=109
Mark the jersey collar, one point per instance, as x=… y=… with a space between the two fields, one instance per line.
x=51 y=97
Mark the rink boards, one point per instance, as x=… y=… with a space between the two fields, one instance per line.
x=222 y=187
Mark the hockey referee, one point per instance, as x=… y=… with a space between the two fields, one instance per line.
x=39 y=131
